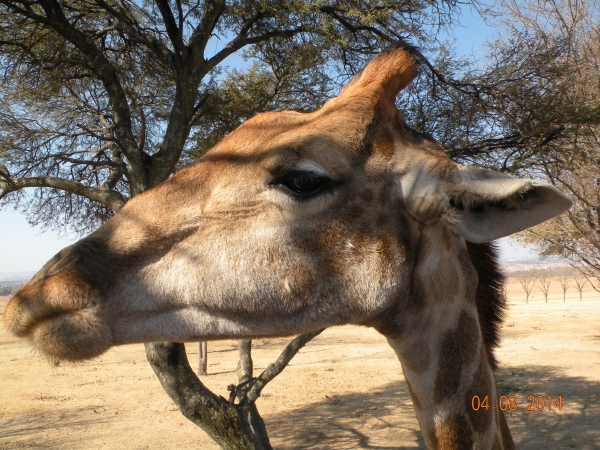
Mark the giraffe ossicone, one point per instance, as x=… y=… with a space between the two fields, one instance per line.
x=295 y=222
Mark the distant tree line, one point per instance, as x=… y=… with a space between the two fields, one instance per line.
x=529 y=279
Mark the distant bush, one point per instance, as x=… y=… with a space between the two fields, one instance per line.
x=5 y=290
x=10 y=289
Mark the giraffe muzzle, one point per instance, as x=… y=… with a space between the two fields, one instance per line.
x=59 y=313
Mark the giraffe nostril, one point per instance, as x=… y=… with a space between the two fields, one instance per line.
x=48 y=296
x=13 y=317
x=24 y=309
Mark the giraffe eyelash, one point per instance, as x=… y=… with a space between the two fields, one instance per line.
x=314 y=184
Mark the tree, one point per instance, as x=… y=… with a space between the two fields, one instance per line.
x=564 y=283
x=544 y=282
x=580 y=282
x=104 y=99
x=569 y=148
x=527 y=283
x=529 y=107
x=233 y=426
x=553 y=49
x=202 y=358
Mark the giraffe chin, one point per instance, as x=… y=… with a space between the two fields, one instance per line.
x=71 y=337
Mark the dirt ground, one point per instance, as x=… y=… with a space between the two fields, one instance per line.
x=344 y=390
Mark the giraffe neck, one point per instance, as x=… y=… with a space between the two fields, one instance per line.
x=439 y=342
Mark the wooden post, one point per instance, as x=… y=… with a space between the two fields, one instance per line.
x=202 y=358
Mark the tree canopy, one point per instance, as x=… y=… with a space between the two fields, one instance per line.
x=103 y=99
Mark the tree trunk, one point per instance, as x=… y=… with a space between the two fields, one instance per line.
x=202 y=358
x=233 y=427
x=245 y=366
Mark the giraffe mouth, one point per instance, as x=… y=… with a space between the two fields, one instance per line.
x=65 y=336
x=71 y=336
x=74 y=331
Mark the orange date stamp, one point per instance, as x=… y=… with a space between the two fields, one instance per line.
x=510 y=403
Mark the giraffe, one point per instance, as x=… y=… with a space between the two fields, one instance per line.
x=299 y=221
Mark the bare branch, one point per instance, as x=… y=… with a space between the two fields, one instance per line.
x=242 y=40
x=527 y=283
x=127 y=24
x=544 y=281
x=174 y=33
x=205 y=28
x=90 y=163
x=277 y=367
x=108 y=197
x=580 y=282
x=143 y=130
x=245 y=365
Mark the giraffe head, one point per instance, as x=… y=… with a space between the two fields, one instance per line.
x=292 y=223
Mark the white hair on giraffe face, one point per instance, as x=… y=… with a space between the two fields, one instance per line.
x=308 y=165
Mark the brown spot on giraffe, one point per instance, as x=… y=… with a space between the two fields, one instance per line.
x=453 y=434
x=418 y=357
x=384 y=147
x=455 y=351
x=481 y=385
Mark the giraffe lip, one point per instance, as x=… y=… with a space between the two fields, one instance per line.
x=74 y=335
x=45 y=299
x=23 y=323
x=16 y=319
x=24 y=314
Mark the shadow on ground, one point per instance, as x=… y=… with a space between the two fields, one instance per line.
x=382 y=420
x=385 y=420
x=576 y=426
x=17 y=431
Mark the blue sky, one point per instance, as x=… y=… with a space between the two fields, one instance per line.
x=25 y=248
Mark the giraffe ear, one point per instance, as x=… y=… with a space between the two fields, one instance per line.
x=383 y=78
x=486 y=205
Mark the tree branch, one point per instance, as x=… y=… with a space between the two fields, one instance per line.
x=106 y=73
x=231 y=426
x=245 y=366
x=205 y=28
x=241 y=40
x=174 y=33
x=277 y=367
x=89 y=163
x=334 y=11
x=107 y=197
x=131 y=28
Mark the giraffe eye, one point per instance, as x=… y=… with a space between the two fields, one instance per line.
x=302 y=184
